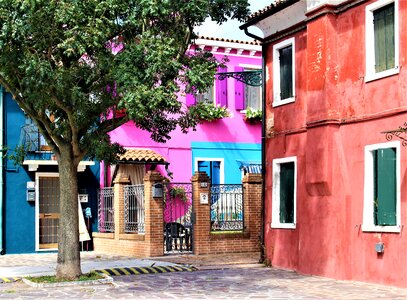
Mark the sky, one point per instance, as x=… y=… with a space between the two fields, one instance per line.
x=230 y=29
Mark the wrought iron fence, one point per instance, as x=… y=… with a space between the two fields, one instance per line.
x=134 y=209
x=227 y=207
x=106 y=209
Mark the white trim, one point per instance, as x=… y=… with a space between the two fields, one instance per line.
x=275 y=206
x=368 y=221
x=369 y=41
x=276 y=72
x=249 y=66
x=222 y=165
x=224 y=44
x=37 y=209
x=33 y=164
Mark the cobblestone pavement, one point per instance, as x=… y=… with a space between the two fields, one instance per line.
x=229 y=283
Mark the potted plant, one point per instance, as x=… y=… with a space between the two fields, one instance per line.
x=179 y=192
x=253 y=115
x=208 y=111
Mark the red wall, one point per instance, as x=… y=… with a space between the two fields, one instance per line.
x=335 y=115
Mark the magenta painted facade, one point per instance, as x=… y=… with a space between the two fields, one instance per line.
x=331 y=134
x=220 y=133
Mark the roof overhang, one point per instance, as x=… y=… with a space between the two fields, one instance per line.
x=34 y=164
x=141 y=156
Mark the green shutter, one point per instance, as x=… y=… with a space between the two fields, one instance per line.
x=383 y=19
x=385 y=190
x=286 y=72
x=287 y=192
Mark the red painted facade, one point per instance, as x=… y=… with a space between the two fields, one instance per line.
x=336 y=113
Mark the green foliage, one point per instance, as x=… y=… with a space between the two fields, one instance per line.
x=208 y=111
x=93 y=275
x=253 y=114
x=179 y=192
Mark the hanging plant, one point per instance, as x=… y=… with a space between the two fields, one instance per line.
x=208 y=111
x=179 y=192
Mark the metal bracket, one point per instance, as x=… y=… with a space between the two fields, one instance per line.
x=400 y=133
x=253 y=78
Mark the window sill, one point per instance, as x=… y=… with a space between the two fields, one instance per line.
x=283 y=226
x=375 y=76
x=283 y=102
x=373 y=228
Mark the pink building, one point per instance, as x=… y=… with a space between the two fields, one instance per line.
x=222 y=147
x=335 y=188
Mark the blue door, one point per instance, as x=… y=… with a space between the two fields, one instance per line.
x=212 y=168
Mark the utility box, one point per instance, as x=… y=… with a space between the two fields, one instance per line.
x=157 y=190
x=31 y=191
x=379 y=247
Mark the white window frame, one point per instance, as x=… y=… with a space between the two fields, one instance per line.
x=368 y=204
x=222 y=166
x=275 y=206
x=37 y=209
x=277 y=101
x=370 y=45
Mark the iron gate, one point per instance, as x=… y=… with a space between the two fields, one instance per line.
x=178 y=224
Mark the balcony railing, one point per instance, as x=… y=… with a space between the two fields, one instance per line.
x=34 y=143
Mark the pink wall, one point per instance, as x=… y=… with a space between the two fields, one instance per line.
x=178 y=149
x=335 y=115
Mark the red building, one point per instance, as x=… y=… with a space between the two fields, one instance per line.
x=335 y=184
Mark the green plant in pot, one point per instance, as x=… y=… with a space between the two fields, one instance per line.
x=179 y=192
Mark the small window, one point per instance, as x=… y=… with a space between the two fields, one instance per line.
x=381 y=39
x=207 y=97
x=284 y=72
x=381 y=206
x=284 y=193
x=252 y=95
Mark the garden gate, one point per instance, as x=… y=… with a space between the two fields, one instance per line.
x=178 y=220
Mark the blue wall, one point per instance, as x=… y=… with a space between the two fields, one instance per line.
x=19 y=215
x=230 y=152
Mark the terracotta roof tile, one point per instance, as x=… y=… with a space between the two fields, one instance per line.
x=229 y=40
x=276 y=3
x=141 y=155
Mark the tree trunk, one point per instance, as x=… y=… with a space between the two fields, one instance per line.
x=69 y=260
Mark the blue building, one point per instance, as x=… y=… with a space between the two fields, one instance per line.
x=29 y=193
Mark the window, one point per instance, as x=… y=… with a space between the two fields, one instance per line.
x=382 y=188
x=206 y=97
x=247 y=95
x=213 y=167
x=284 y=193
x=382 y=42
x=284 y=72
x=217 y=94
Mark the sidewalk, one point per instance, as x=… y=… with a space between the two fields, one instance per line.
x=19 y=265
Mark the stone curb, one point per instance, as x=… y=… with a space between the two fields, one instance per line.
x=9 y=279
x=145 y=270
x=231 y=266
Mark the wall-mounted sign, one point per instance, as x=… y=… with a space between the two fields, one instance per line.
x=204 y=198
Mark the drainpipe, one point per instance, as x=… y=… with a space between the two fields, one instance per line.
x=263 y=136
x=263 y=152
x=1 y=171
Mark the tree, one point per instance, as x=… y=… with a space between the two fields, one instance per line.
x=71 y=65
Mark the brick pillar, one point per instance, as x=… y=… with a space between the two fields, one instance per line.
x=252 y=184
x=119 y=183
x=154 y=220
x=202 y=212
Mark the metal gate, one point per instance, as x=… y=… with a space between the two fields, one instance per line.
x=178 y=221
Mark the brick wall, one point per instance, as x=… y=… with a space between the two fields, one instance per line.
x=152 y=242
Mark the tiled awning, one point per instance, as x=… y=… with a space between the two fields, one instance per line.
x=136 y=155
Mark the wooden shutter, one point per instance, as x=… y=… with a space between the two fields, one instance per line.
x=215 y=172
x=287 y=192
x=383 y=19
x=286 y=72
x=221 y=89
x=385 y=190
x=239 y=91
